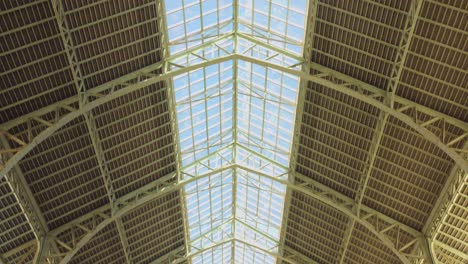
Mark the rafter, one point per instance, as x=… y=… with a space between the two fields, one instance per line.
x=389 y=100
x=172 y=110
x=307 y=55
x=380 y=225
x=407 y=111
x=339 y=82
x=83 y=99
x=25 y=198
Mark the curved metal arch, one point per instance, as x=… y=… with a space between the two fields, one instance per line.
x=102 y=100
x=319 y=79
x=314 y=78
x=369 y=99
x=311 y=189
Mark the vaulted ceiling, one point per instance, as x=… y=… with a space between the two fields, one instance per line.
x=245 y=131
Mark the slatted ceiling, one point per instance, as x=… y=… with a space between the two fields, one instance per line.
x=21 y=255
x=359 y=38
x=104 y=247
x=336 y=135
x=113 y=55
x=34 y=70
x=65 y=161
x=14 y=227
x=140 y=122
x=314 y=229
x=406 y=179
x=155 y=228
x=435 y=71
x=446 y=256
x=365 y=248
x=454 y=228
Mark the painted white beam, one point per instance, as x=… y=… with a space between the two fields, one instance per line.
x=347 y=85
x=83 y=99
x=350 y=87
x=368 y=217
x=307 y=55
x=397 y=68
x=161 y=12
x=19 y=187
x=452 y=250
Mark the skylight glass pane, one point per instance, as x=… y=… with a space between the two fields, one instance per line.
x=247 y=254
x=266 y=101
x=259 y=209
x=248 y=158
x=263 y=100
x=279 y=22
x=209 y=206
x=204 y=102
x=219 y=254
x=193 y=22
x=219 y=159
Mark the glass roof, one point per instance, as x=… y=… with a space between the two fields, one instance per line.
x=235 y=122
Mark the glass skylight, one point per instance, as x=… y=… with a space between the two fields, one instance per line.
x=266 y=108
x=204 y=100
x=235 y=124
x=280 y=23
x=192 y=22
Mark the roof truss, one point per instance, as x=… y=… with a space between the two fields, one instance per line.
x=416 y=116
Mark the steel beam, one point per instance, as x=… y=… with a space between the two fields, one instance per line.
x=346 y=85
x=123 y=239
x=307 y=55
x=25 y=198
x=160 y=7
x=83 y=99
x=407 y=111
x=389 y=100
x=375 y=222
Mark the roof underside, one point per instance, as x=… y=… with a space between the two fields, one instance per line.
x=245 y=131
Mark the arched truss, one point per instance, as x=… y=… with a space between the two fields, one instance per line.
x=174 y=258
x=429 y=123
x=66 y=241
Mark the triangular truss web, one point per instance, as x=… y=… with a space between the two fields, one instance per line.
x=235 y=121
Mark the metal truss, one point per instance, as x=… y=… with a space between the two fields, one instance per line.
x=408 y=244
x=389 y=100
x=39 y=125
x=160 y=7
x=28 y=204
x=30 y=247
x=291 y=258
x=444 y=205
x=19 y=186
x=307 y=54
x=84 y=98
x=417 y=117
